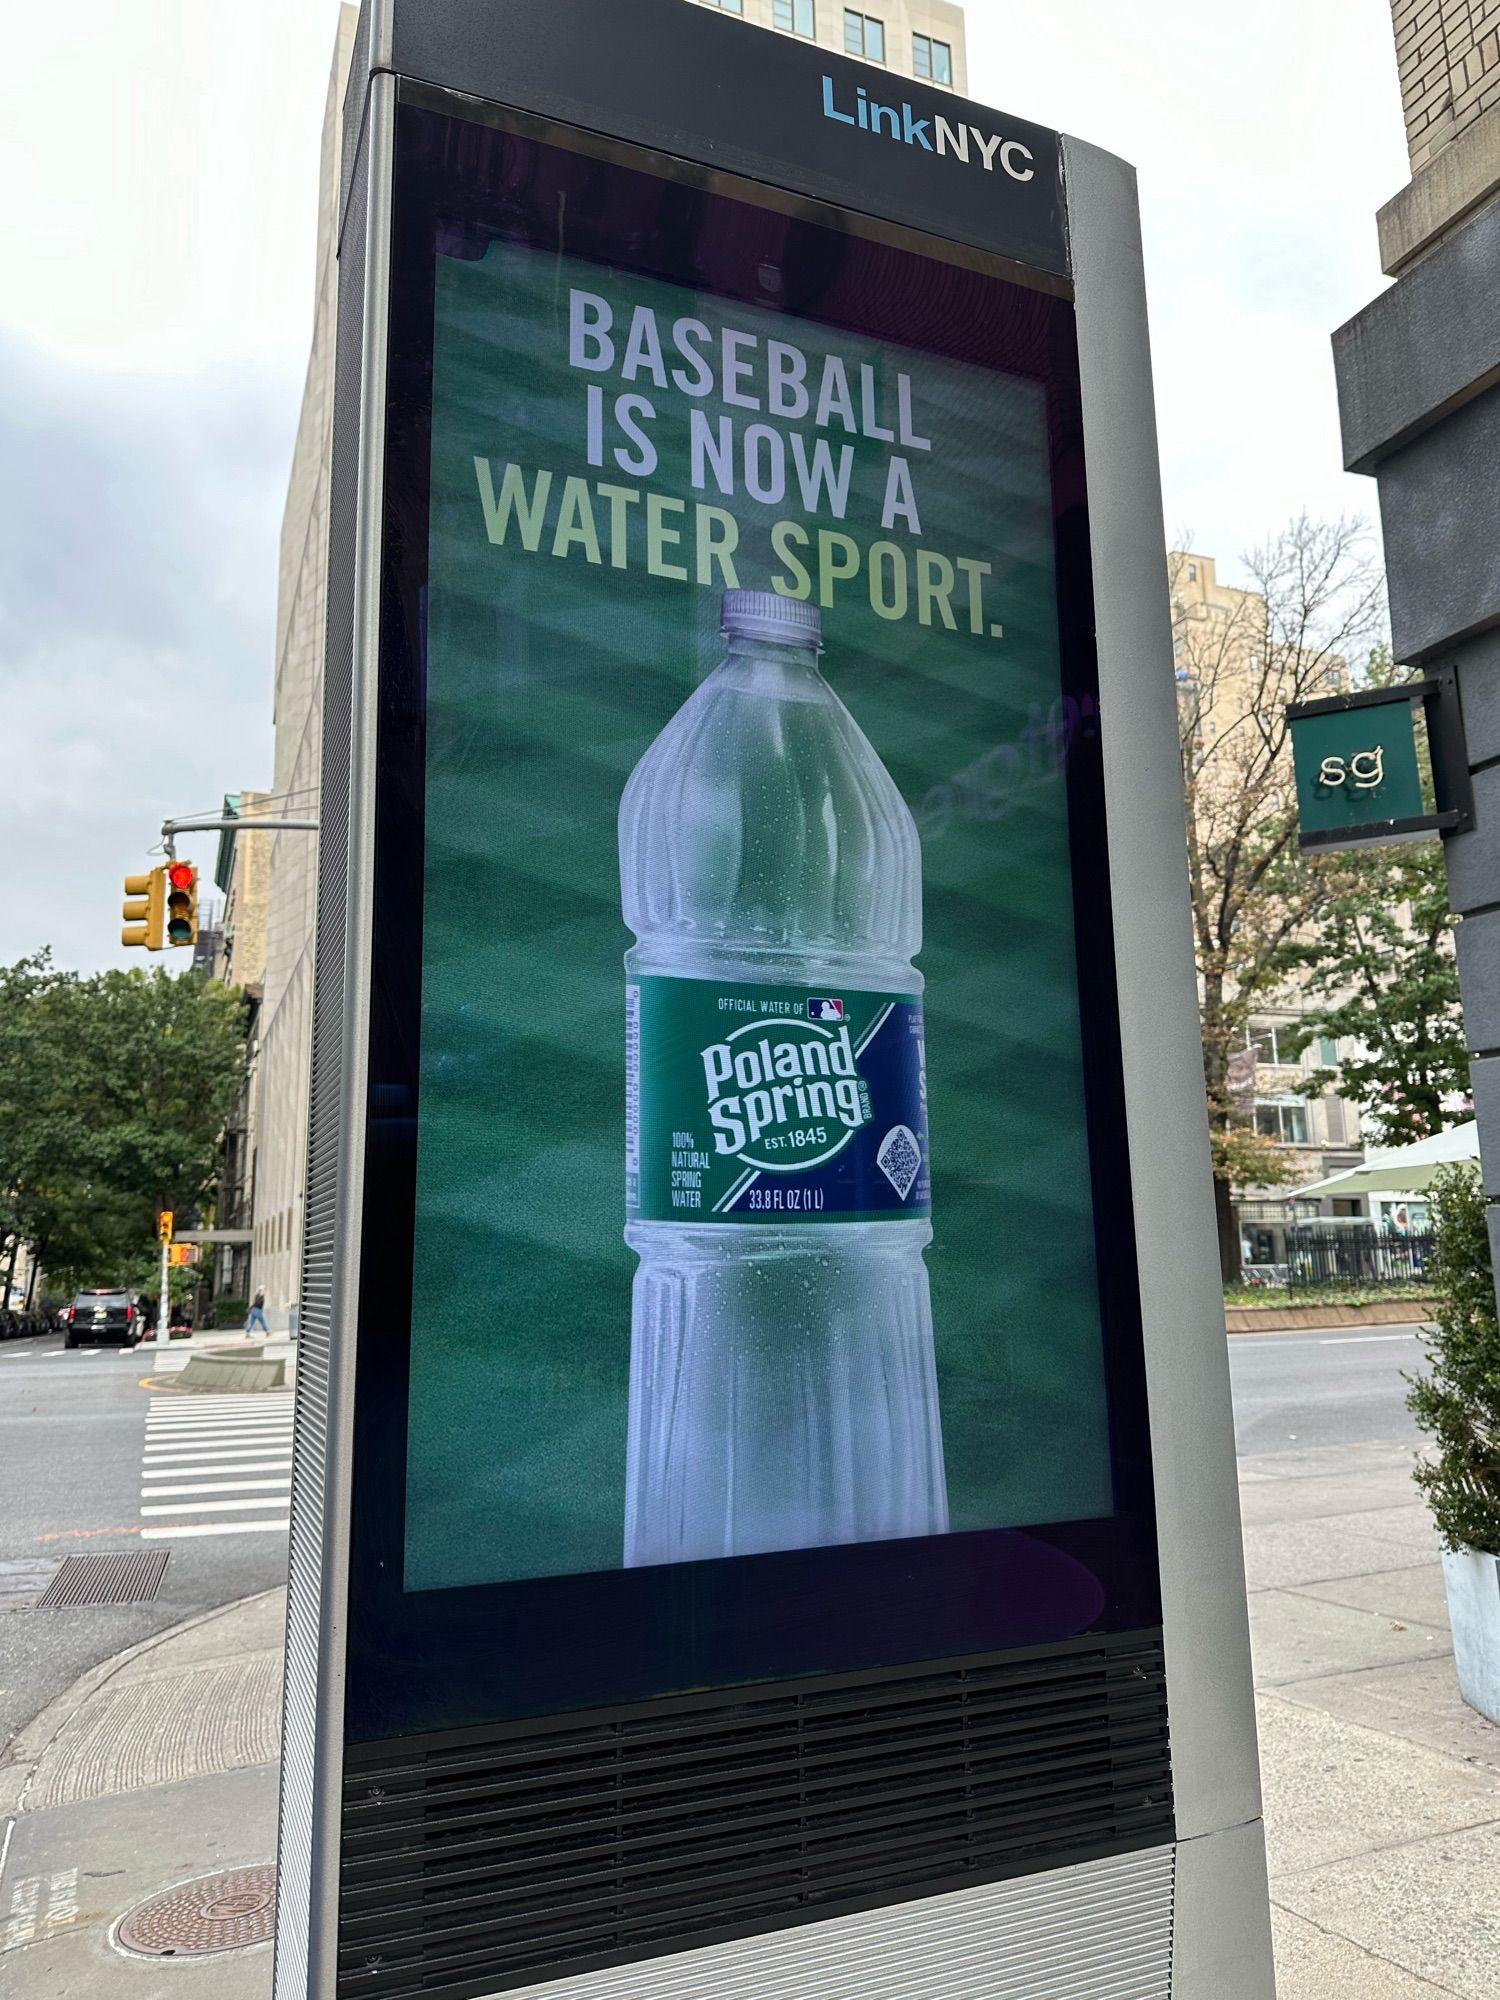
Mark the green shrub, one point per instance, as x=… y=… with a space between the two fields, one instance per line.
x=228 y=1312
x=1458 y=1403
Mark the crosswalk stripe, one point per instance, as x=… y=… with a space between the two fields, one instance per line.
x=242 y=1433
x=175 y=1467
x=169 y=1464
x=207 y=1399
x=179 y=1532
x=166 y=1431
x=233 y=1486
x=241 y=1449
x=245 y=1412
x=215 y=1439
x=202 y=1409
x=207 y=1456
x=264 y=1413
x=199 y=1409
x=197 y=1415
x=200 y=1429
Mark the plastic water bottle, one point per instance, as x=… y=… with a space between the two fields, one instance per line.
x=783 y=1389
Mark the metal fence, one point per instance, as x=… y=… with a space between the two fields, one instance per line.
x=1356 y=1253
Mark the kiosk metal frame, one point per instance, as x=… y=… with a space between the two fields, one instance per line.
x=1180 y=1908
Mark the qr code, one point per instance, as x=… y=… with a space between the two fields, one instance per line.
x=900 y=1158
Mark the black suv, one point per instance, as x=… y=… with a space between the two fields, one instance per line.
x=103 y=1316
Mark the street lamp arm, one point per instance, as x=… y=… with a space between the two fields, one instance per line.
x=170 y=828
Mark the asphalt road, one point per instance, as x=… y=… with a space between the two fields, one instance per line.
x=72 y=1433
x=1294 y=1390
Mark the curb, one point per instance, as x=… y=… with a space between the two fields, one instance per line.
x=26 y=1748
x=243 y=1374
x=1282 y=1319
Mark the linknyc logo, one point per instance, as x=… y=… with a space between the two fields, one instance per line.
x=932 y=134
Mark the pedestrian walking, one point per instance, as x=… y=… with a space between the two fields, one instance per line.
x=256 y=1320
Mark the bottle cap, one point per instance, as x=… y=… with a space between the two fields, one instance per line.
x=761 y=614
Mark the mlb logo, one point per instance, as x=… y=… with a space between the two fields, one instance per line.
x=825 y=1010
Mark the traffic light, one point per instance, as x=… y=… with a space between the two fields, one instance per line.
x=182 y=902
x=145 y=910
x=164 y=1225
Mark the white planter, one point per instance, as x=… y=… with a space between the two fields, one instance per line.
x=1472 y=1582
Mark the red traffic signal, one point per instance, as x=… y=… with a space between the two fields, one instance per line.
x=182 y=902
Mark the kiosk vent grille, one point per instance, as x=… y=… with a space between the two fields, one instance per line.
x=489 y=1861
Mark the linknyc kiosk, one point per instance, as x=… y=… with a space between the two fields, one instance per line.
x=764 y=1519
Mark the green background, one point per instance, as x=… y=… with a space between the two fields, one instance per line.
x=547 y=680
x=1346 y=733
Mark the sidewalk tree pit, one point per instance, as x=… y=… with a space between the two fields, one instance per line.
x=723 y=1262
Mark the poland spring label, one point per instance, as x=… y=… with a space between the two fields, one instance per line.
x=773 y=1104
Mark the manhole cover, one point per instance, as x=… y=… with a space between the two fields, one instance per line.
x=114 y=1576
x=218 y=1913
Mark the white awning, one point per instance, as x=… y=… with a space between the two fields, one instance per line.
x=1403 y=1169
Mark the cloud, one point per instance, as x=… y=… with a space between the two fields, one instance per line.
x=1265 y=142
x=138 y=524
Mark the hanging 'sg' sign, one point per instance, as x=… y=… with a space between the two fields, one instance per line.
x=1359 y=782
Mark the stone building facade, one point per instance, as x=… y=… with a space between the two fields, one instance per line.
x=922 y=38
x=1448 y=56
x=1419 y=401
x=279 y=1116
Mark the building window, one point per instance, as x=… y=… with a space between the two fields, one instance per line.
x=1283 y=1119
x=796 y=17
x=1192 y=572
x=727 y=6
x=932 y=60
x=1329 y=1050
x=1276 y=1044
x=864 y=35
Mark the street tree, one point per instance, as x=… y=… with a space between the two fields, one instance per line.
x=113 y=1093
x=1311 y=609
x=1381 y=973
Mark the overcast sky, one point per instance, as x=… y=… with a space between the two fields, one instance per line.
x=160 y=167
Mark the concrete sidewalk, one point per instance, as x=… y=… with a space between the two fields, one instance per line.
x=1382 y=1787
x=154 y=1769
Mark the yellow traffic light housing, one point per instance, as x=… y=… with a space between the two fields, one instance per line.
x=164 y=1225
x=145 y=910
x=181 y=902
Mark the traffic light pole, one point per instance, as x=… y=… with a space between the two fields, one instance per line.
x=164 y=1308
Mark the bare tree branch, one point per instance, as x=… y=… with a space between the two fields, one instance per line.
x=1302 y=627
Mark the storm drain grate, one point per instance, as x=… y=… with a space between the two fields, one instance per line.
x=215 y=1913
x=115 y=1576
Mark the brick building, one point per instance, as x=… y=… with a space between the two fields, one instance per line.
x=1448 y=56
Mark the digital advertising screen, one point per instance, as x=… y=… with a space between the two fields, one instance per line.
x=752 y=1218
